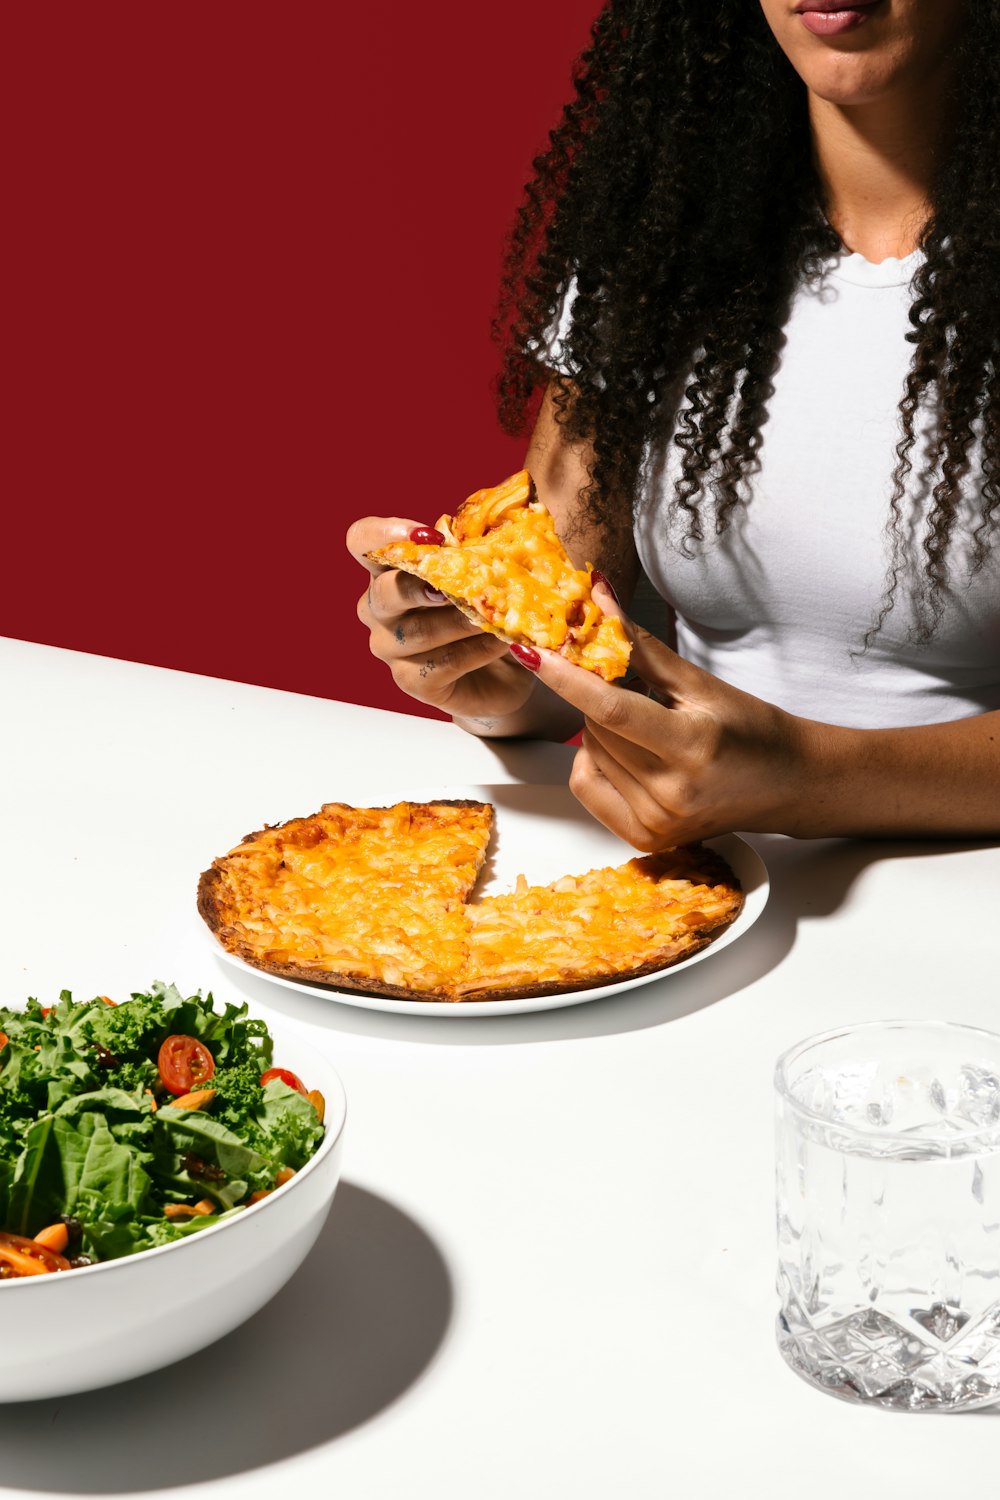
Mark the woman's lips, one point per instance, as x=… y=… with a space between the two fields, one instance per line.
x=835 y=17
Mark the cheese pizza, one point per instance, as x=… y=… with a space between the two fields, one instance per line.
x=377 y=899
x=502 y=563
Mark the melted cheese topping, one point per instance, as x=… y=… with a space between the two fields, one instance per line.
x=369 y=897
x=503 y=562
x=641 y=915
x=368 y=893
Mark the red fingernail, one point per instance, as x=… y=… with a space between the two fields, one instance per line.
x=596 y=576
x=527 y=657
x=426 y=536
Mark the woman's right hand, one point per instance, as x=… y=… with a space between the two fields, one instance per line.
x=435 y=654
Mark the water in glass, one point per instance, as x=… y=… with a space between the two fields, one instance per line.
x=888 y=1191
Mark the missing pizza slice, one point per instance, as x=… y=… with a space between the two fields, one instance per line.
x=502 y=563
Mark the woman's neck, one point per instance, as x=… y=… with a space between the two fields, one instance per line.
x=876 y=163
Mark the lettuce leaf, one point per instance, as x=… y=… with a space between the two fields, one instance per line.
x=63 y=1158
x=86 y=1132
x=183 y=1135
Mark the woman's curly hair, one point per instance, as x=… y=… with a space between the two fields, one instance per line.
x=679 y=191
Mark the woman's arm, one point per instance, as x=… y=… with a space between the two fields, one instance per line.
x=439 y=657
x=702 y=758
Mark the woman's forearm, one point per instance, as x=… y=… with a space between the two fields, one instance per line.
x=930 y=781
x=699 y=757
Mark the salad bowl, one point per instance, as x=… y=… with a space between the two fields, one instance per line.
x=81 y=1329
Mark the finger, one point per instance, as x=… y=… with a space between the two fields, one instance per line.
x=372 y=532
x=393 y=592
x=635 y=783
x=602 y=798
x=674 y=680
x=636 y=759
x=608 y=704
x=417 y=632
x=655 y=663
x=444 y=665
x=605 y=596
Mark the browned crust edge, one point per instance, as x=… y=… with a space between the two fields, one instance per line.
x=514 y=992
x=484 y=807
x=210 y=882
x=708 y=863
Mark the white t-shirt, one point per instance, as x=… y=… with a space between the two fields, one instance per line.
x=779 y=605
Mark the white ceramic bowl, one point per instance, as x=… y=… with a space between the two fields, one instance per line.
x=76 y=1330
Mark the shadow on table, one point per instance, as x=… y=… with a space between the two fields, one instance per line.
x=356 y=1327
x=809 y=879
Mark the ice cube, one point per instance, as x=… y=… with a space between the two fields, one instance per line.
x=978 y=1095
x=853 y=1088
x=881 y=1111
x=812 y=1091
x=939 y=1098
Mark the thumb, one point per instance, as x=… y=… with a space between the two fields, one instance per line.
x=367 y=536
x=651 y=661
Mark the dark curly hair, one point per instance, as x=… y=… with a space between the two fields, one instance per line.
x=679 y=190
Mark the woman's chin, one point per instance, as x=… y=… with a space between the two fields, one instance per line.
x=852 y=80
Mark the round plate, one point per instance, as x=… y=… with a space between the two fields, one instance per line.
x=541 y=832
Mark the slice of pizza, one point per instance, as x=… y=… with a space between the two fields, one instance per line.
x=595 y=929
x=505 y=568
x=364 y=898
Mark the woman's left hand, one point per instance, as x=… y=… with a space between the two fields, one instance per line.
x=697 y=759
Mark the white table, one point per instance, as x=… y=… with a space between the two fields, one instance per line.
x=548 y=1271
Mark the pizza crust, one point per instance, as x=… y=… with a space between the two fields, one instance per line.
x=327 y=899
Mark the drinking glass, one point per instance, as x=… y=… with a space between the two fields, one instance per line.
x=888 y=1195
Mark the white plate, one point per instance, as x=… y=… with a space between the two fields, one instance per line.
x=541 y=832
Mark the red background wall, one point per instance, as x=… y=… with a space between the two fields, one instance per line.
x=255 y=255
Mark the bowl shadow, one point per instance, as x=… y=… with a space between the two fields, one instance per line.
x=356 y=1326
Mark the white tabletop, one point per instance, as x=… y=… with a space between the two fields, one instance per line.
x=549 y=1267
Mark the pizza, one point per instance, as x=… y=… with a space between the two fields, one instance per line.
x=381 y=900
x=505 y=568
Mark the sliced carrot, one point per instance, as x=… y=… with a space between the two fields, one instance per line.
x=197 y=1099
x=4 y=1038
x=189 y=1210
x=318 y=1103
x=283 y=1175
x=260 y=1194
x=53 y=1237
x=152 y=1100
x=108 y=1000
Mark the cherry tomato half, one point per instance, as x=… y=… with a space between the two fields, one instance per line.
x=4 y=1038
x=184 y=1064
x=292 y=1079
x=21 y=1257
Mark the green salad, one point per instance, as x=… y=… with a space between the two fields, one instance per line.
x=124 y=1126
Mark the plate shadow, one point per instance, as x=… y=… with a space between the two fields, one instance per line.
x=809 y=879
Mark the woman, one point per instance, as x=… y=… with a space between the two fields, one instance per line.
x=758 y=271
